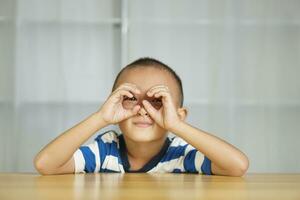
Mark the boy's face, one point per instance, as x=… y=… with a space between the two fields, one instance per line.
x=144 y=79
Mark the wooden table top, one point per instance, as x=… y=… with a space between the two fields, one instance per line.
x=149 y=186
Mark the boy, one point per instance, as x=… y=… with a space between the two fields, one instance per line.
x=147 y=103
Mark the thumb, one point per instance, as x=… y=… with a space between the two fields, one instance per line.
x=151 y=110
x=133 y=111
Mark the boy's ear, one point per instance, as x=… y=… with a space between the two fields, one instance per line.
x=182 y=112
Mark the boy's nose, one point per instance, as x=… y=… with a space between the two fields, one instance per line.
x=142 y=111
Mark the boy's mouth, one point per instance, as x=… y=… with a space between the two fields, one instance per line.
x=142 y=124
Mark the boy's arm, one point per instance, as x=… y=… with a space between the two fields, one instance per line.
x=57 y=156
x=225 y=158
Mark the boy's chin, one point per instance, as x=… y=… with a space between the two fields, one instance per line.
x=144 y=135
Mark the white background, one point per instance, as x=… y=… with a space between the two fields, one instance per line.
x=239 y=61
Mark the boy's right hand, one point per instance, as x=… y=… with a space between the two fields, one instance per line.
x=112 y=111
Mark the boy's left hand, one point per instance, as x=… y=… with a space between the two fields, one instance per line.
x=166 y=116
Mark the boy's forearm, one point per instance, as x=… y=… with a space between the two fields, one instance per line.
x=221 y=153
x=61 y=149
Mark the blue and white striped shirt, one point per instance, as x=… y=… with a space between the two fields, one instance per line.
x=108 y=154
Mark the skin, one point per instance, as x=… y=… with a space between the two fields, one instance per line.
x=142 y=142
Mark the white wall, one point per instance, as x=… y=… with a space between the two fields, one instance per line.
x=239 y=62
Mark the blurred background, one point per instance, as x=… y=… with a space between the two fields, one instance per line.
x=239 y=61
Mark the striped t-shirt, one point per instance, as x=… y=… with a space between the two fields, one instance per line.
x=108 y=154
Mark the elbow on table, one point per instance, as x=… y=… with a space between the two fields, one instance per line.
x=241 y=168
x=40 y=165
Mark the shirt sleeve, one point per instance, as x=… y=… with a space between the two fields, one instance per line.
x=196 y=162
x=206 y=166
x=87 y=158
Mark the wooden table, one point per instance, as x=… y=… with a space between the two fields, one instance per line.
x=147 y=186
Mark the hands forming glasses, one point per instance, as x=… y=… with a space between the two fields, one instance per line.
x=130 y=102
x=127 y=100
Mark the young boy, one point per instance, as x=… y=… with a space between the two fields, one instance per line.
x=147 y=103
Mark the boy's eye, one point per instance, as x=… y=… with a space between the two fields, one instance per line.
x=156 y=100
x=130 y=99
x=156 y=103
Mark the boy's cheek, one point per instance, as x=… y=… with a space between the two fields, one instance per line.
x=124 y=123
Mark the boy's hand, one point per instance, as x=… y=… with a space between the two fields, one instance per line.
x=166 y=116
x=112 y=110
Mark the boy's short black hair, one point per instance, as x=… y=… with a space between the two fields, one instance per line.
x=151 y=62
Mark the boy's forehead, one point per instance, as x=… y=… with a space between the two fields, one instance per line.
x=146 y=78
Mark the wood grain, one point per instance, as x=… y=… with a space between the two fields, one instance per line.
x=149 y=186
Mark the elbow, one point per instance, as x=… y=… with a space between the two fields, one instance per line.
x=40 y=165
x=242 y=167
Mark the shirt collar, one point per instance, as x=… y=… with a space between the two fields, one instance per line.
x=149 y=165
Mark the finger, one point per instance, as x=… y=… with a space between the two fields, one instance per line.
x=130 y=89
x=158 y=86
x=161 y=93
x=150 y=94
x=155 y=90
x=166 y=96
x=128 y=86
x=151 y=110
x=123 y=93
x=134 y=110
x=117 y=96
x=133 y=89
